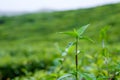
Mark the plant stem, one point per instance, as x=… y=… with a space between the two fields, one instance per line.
x=76 y=58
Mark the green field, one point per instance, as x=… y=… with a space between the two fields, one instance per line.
x=29 y=44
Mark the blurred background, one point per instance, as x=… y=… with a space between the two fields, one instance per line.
x=30 y=42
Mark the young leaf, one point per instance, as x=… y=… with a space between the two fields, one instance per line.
x=75 y=31
x=69 y=45
x=67 y=48
x=70 y=33
x=82 y=29
x=86 y=38
x=103 y=32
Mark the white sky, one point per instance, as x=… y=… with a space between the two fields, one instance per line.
x=35 y=5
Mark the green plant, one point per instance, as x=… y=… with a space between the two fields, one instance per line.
x=77 y=35
x=105 y=54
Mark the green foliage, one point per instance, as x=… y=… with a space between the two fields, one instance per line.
x=65 y=76
x=78 y=34
x=27 y=50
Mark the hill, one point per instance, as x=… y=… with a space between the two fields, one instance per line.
x=46 y=24
x=27 y=40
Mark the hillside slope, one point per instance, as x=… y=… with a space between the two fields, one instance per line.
x=29 y=43
x=43 y=26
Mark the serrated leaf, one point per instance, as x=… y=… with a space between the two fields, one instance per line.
x=82 y=29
